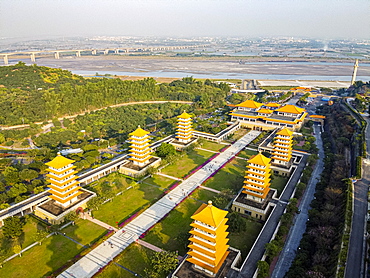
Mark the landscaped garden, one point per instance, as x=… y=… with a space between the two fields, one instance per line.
x=187 y=163
x=160 y=181
x=212 y=146
x=84 y=231
x=41 y=260
x=247 y=153
x=278 y=182
x=134 y=258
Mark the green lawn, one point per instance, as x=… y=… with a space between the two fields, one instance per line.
x=230 y=176
x=247 y=153
x=84 y=231
x=160 y=181
x=127 y=203
x=212 y=146
x=40 y=260
x=187 y=163
x=244 y=240
x=171 y=233
x=278 y=182
x=203 y=195
x=134 y=257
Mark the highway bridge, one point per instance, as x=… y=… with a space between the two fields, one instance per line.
x=58 y=52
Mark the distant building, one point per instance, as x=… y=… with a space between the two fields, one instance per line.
x=268 y=116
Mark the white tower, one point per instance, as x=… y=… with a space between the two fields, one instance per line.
x=355 y=66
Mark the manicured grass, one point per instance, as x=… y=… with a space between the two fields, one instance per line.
x=231 y=176
x=239 y=134
x=212 y=146
x=247 y=153
x=135 y=258
x=244 y=240
x=160 y=181
x=171 y=233
x=127 y=203
x=42 y=259
x=84 y=231
x=278 y=182
x=185 y=164
x=203 y=195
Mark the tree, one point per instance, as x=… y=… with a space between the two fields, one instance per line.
x=11 y=175
x=263 y=269
x=40 y=236
x=28 y=174
x=272 y=249
x=13 y=227
x=162 y=263
x=17 y=249
x=236 y=222
x=165 y=150
x=72 y=216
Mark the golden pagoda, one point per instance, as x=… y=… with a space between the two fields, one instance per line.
x=208 y=241
x=184 y=128
x=64 y=188
x=257 y=178
x=140 y=152
x=283 y=142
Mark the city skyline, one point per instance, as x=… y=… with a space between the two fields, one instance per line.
x=328 y=19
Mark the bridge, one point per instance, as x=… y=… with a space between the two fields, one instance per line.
x=58 y=52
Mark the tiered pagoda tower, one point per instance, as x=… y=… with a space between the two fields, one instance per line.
x=140 y=152
x=257 y=178
x=184 y=128
x=64 y=188
x=208 y=243
x=283 y=142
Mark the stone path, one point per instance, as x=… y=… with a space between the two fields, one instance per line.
x=207 y=150
x=153 y=247
x=168 y=176
x=210 y=189
x=104 y=253
x=100 y=223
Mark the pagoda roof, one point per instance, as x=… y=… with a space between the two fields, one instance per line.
x=265 y=111
x=184 y=115
x=59 y=162
x=139 y=132
x=249 y=104
x=209 y=214
x=260 y=159
x=285 y=132
x=272 y=104
x=289 y=108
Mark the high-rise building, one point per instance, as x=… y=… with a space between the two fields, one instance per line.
x=184 y=128
x=257 y=178
x=140 y=152
x=282 y=147
x=64 y=187
x=208 y=241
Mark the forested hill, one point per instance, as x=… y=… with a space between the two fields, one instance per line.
x=32 y=93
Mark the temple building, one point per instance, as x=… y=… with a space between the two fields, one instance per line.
x=65 y=193
x=282 y=147
x=208 y=241
x=64 y=188
x=257 y=178
x=268 y=116
x=184 y=128
x=140 y=152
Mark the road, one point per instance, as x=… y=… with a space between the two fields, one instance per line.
x=109 y=106
x=288 y=253
x=356 y=251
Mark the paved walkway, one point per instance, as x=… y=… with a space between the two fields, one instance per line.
x=207 y=150
x=210 y=189
x=100 y=223
x=168 y=176
x=104 y=253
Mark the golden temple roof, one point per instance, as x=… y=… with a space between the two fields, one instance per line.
x=139 y=132
x=289 y=108
x=184 y=115
x=209 y=214
x=265 y=111
x=272 y=104
x=249 y=104
x=285 y=132
x=260 y=159
x=59 y=162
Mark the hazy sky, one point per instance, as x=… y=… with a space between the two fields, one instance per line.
x=249 y=18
